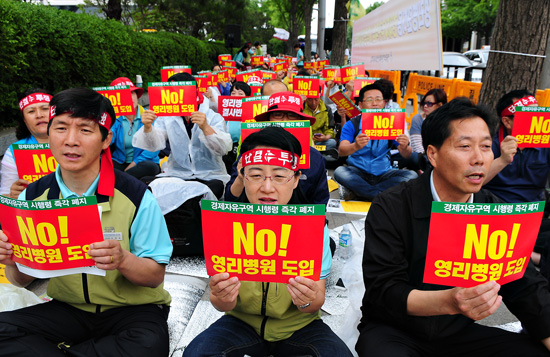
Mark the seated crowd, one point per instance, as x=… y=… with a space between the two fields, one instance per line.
x=455 y=153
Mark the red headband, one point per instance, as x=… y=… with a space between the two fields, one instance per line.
x=106 y=185
x=34 y=98
x=273 y=157
x=523 y=102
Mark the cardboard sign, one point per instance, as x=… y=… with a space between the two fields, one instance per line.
x=173 y=98
x=532 y=127
x=332 y=73
x=352 y=71
x=323 y=63
x=300 y=130
x=223 y=76
x=51 y=235
x=253 y=107
x=310 y=65
x=256 y=88
x=230 y=108
x=360 y=82
x=269 y=243
x=202 y=83
x=280 y=66
x=342 y=100
x=253 y=76
x=256 y=61
x=168 y=71
x=223 y=58
x=472 y=243
x=226 y=64
x=33 y=161
x=268 y=75
x=212 y=80
x=120 y=97
x=306 y=85
x=231 y=72
x=383 y=124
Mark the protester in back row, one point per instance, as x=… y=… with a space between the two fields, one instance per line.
x=519 y=174
x=223 y=87
x=431 y=101
x=134 y=161
x=241 y=56
x=388 y=90
x=313 y=181
x=264 y=318
x=299 y=56
x=321 y=131
x=123 y=313
x=31 y=129
x=369 y=171
x=402 y=315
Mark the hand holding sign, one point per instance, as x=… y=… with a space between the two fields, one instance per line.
x=147 y=119
x=508 y=148
x=477 y=302
x=17 y=187
x=361 y=140
x=107 y=254
x=303 y=291
x=224 y=291
x=5 y=250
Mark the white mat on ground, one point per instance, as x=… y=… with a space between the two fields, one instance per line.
x=192 y=266
x=172 y=192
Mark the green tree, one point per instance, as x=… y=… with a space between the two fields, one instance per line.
x=460 y=17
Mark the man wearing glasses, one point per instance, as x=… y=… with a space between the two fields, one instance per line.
x=369 y=170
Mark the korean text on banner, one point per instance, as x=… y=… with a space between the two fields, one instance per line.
x=532 y=127
x=252 y=76
x=230 y=108
x=120 y=97
x=400 y=35
x=253 y=107
x=340 y=99
x=51 y=235
x=472 y=243
x=33 y=161
x=332 y=73
x=256 y=61
x=306 y=85
x=383 y=124
x=300 y=130
x=173 y=98
x=361 y=82
x=168 y=71
x=269 y=243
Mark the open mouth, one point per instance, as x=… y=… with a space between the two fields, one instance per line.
x=267 y=200
x=476 y=177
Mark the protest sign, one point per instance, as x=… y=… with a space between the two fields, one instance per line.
x=173 y=98
x=472 y=243
x=300 y=130
x=381 y=124
x=223 y=58
x=230 y=108
x=231 y=71
x=532 y=127
x=51 y=235
x=251 y=76
x=120 y=97
x=212 y=80
x=168 y=71
x=310 y=65
x=280 y=66
x=268 y=75
x=255 y=88
x=253 y=107
x=202 y=83
x=342 y=100
x=256 y=61
x=226 y=64
x=352 y=71
x=360 y=82
x=323 y=63
x=269 y=243
x=33 y=161
x=332 y=73
x=306 y=85
x=223 y=76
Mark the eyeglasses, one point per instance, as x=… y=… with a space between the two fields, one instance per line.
x=375 y=100
x=429 y=104
x=289 y=115
x=276 y=179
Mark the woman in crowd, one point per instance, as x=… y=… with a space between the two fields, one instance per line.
x=432 y=100
x=270 y=318
x=223 y=87
x=241 y=56
x=32 y=128
x=134 y=161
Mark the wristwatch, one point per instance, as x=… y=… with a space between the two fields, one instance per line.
x=304 y=306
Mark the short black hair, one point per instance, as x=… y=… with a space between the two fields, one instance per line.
x=303 y=72
x=181 y=77
x=436 y=128
x=83 y=103
x=508 y=99
x=372 y=86
x=257 y=43
x=387 y=88
x=439 y=95
x=22 y=132
x=296 y=45
x=242 y=86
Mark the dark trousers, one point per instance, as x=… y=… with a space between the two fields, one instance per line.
x=229 y=336
x=58 y=329
x=142 y=169
x=476 y=340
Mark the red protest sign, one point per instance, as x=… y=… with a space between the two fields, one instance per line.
x=360 y=82
x=120 y=97
x=300 y=130
x=256 y=88
x=342 y=100
x=323 y=63
x=252 y=76
x=226 y=64
x=256 y=61
x=254 y=106
x=223 y=76
x=33 y=161
x=263 y=242
x=231 y=71
x=173 y=98
x=212 y=79
x=304 y=85
x=202 y=83
x=230 y=108
x=309 y=65
x=332 y=74
x=280 y=66
x=532 y=127
x=223 y=58
x=168 y=71
x=381 y=124
x=51 y=235
x=350 y=72
x=472 y=243
x=268 y=75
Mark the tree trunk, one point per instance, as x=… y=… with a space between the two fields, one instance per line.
x=113 y=10
x=339 y=32
x=522 y=27
x=293 y=31
x=308 y=10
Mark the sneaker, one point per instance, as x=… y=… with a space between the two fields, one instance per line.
x=331 y=153
x=345 y=193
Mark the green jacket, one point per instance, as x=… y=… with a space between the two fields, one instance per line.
x=322 y=117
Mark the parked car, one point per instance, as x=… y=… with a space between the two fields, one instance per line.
x=455 y=65
x=455 y=59
x=480 y=57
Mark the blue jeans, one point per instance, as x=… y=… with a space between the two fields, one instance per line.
x=367 y=186
x=230 y=336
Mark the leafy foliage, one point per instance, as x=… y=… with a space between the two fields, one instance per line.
x=460 y=17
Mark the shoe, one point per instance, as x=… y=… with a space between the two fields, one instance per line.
x=331 y=153
x=345 y=194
